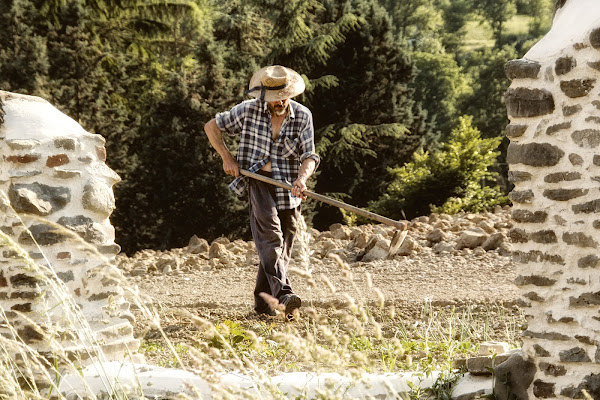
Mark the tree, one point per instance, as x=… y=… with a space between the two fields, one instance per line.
x=24 y=58
x=451 y=179
x=496 y=12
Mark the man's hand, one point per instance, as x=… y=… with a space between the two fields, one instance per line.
x=231 y=166
x=299 y=187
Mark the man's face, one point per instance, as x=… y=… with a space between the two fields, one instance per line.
x=279 y=107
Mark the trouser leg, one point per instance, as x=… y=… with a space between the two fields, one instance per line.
x=273 y=233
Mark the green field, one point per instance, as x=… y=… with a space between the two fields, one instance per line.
x=479 y=32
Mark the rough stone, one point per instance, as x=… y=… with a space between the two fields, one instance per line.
x=577 y=87
x=513 y=377
x=595 y=120
x=37 y=198
x=517 y=235
x=22 y=144
x=571 y=110
x=533 y=296
x=521 y=196
x=575 y=159
x=407 y=247
x=546 y=335
x=543 y=390
x=586 y=208
x=564 y=65
x=377 y=249
x=536 y=280
x=98 y=197
x=23 y=159
x=44 y=235
x=595 y=38
x=64 y=143
x=576 y=354
x=471 y=238
x=579 y=239
x=494 y=241
x=540 y=351
x=436 y=236
x=526 y=216
x=537 y=256
x=57 y=160
x=594 y=64
x=197 y=245
x=89 y=230
x=524 y=102
x=518 y=176
x=534 y=154
x=522 y=69
x=515 y=130
x=591 y=384
x=217 y=250
x=564 y=194
x=585 y=300
x=339 y=231
x=544 y=237
x=587 y=138
x=558 y=127
x=562 y=177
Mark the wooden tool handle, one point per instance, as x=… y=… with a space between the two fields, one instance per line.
x=402 y=225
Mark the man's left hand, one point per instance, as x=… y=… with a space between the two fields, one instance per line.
x=299 y=187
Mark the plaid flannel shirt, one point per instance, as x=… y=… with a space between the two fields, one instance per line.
x=251 y=120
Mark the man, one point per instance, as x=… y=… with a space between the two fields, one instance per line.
x=276 y=140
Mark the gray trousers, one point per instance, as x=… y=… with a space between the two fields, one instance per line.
x=273 y=232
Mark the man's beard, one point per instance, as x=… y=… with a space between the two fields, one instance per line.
x=278 y=110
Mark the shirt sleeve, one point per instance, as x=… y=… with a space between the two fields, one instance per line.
x=231 y=122
x=307 y=142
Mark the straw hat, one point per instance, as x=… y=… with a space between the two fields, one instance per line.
x=275 y=83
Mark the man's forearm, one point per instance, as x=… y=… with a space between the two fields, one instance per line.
x=216 y=139
x=307 y=168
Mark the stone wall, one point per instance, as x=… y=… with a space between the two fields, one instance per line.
x=56 y=198
x=554 y=156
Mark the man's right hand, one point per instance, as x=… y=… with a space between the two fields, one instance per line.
x=231 y=166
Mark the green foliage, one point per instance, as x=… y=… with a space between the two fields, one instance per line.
x=383 y=79
x=451 y=179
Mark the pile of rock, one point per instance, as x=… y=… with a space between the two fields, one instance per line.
x=437 y=234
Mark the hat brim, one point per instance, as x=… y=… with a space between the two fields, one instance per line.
x=295 y=86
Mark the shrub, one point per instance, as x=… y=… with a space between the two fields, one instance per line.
x=451 y=179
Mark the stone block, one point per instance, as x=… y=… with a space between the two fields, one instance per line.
x=526 y=216
x=537 y=256
x=64 y=143
x=551 y=130
x=534 y=154
x=575 y=159
x=535 y=280
x=579 y=239
x=585 y=300
x=513 y=377
x=23 y=159
x=517 y=235
x=546 y=335
x=571 y=110
x=564 y=65
x=544 y=237
x=564 y=194
x=588 y=207
x=587 y=138
x=524 y=102
x=591 y=384
x=522 y=69
x=540 y=351
x=562 y=177
x=543 y=390
x=515 y=130
x=577 y=87
x=521 y=196
x=595 y=38
x=589 y=261
x=57 y=160
x=98 y=197
x=39 y=199
x=518 y=176
x=44 y=235
x=576 y=354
